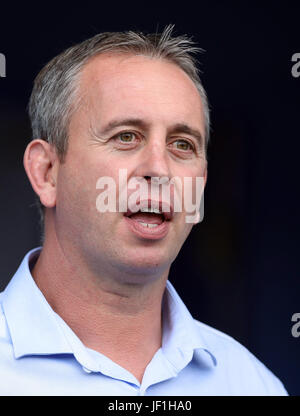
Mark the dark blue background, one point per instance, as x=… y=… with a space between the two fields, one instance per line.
x=239 y=269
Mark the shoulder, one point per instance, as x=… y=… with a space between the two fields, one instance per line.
x=243 y=369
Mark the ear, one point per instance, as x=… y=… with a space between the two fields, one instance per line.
x=41 y=164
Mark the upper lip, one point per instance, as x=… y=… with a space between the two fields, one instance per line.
x=164 y=208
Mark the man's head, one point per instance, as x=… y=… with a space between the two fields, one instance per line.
x=116 y=101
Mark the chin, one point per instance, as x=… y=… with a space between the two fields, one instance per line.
x=146 y=264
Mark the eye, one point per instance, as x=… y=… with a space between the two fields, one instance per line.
x=126 y=137
x=184 y=145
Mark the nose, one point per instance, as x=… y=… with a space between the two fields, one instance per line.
x=154 y=160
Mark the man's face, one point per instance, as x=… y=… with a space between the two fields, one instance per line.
x=134 y=114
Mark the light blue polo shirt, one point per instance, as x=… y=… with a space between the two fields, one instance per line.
x=41 y=355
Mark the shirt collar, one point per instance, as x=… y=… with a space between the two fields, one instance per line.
x=36 y=329
x=182 y=337
x=31 y=321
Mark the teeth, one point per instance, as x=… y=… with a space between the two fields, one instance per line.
x=153 y=210
x=144 y=224
x=152 y=225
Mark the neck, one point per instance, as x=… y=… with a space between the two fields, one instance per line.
x=117 y=319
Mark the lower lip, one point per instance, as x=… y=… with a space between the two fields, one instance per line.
x=155 y=233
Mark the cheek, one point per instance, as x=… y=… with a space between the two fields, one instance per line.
x=77 y=192
x=192 y=182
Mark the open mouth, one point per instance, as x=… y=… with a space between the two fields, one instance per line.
x=151 y=220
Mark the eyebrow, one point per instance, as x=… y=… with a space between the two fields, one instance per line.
x=124 y=122
x=136 y=122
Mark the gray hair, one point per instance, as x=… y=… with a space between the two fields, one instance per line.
x=55 y=95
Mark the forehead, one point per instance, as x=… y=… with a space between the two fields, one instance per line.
x=142 y=86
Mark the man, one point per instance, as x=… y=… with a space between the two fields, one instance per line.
x=92 y=312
